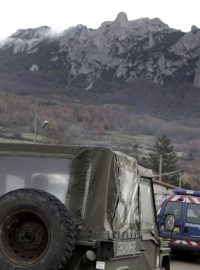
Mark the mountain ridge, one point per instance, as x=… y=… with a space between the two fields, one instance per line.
x=120 y=50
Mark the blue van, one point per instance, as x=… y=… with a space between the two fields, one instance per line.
x=185 y=206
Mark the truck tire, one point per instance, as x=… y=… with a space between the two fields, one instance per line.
x=36 y=231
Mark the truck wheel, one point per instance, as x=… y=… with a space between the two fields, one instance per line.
x=36 y=231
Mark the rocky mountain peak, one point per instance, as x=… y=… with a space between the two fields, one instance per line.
x=194 y=29
x=27 y=39
x=31 y=33
x=121 y=19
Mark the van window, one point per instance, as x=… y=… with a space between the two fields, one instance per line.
x=174 y=208
x=193 y=213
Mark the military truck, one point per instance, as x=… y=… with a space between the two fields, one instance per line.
x=74 y=208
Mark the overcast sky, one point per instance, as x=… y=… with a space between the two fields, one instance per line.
x=61 y=14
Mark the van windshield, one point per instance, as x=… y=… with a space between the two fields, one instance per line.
x=174 y=208
x=193 y=213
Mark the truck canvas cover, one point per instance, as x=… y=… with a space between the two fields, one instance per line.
x=99 y=178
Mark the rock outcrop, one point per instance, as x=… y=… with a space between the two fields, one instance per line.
x=120 y=50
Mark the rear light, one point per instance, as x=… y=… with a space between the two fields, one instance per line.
x=180 y=199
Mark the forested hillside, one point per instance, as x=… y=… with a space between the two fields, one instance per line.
x=118 y=126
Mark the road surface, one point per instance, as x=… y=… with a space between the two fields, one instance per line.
x=185 y=262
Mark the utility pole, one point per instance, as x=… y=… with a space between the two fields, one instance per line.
x=36 y=121
x=170 y=173
x=179 y=183
x=160 y=168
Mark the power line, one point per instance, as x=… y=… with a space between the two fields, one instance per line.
x=169 y=173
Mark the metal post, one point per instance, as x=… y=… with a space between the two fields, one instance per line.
x=160 y=168
x=36 y=121
x=179 y=182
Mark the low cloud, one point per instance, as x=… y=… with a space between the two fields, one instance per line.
x=28 y=39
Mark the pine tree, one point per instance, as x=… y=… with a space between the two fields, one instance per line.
x=165 y=155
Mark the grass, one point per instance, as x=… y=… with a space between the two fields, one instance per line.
x=25 y=138
x=5 y=140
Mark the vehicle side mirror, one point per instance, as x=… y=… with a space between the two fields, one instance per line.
x=169 y=222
